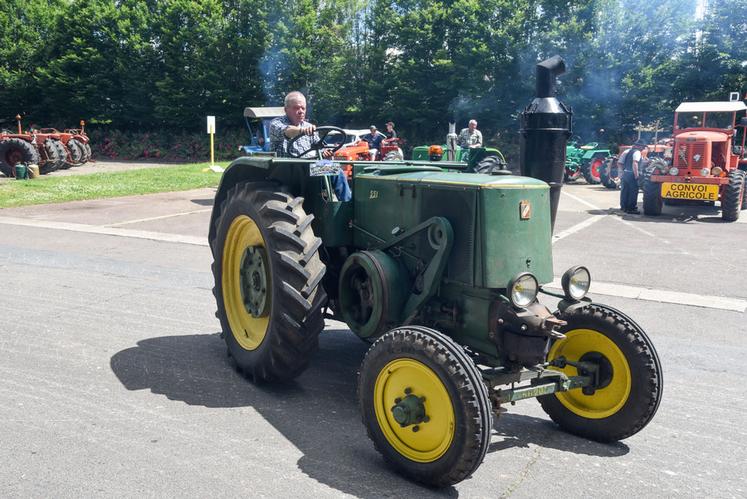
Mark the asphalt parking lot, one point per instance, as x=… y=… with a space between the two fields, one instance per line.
x=115 y=381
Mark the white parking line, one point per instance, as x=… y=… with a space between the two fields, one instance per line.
x=580 y=200
x=150 y=219
x=108 y=231
x=661 y=295
x=579 y=226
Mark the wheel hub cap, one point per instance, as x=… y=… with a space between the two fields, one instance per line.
x=409 y=410
x=254 y=281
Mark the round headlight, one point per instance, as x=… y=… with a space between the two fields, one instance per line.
x=674 y=170
x=716 y=171
x=522 y=290
x=576 y=282
x=705 y=171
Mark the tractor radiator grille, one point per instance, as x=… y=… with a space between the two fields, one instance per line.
x=459 y=207
x=691 y=155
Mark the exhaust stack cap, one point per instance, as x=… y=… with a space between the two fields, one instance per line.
x=547 y=71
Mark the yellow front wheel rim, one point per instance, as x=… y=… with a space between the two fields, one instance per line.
x=605 y=401
x=248 y=330
x=426 y=441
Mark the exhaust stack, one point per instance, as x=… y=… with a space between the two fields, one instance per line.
x=545 y=129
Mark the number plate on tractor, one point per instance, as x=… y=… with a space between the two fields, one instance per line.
x=699 y=192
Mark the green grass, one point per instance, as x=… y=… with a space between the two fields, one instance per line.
x=51 y=189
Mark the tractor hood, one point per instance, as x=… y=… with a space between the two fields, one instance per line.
x=501 y=224
x=702 y=136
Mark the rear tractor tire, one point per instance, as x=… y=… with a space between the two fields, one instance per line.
x=630 y=373
x=591 y=169
x=425 y=405
x=14 y=151
x=732 y=197
x=77 y=153
x=492 y=165
x=651 y=198
x=268 y=277
x=54 y=157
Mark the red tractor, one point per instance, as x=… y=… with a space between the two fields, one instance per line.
x=75 y=142
x=46 y=147
x=707 y=163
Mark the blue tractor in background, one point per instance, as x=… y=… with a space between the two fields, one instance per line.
x=258 y=122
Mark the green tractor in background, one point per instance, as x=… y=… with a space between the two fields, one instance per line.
x=440 y=271
x=478 y=159
x=584 y=160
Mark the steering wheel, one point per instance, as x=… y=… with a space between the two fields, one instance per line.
x=323 y=132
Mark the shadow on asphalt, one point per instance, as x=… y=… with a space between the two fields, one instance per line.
x=684 y=215
x=203 y=202
x=317 y=413
x=518 y=430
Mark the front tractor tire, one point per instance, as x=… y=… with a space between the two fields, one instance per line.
x=630 y=376
x=267 y=274
x=425 y=405
x=651 y=198
x=733 y=196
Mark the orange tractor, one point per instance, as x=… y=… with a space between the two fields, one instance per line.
x=708 y=162
x=390 y=150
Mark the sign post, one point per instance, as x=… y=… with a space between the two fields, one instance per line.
x=211 y=131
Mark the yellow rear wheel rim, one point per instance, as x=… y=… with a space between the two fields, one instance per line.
x=249 y=331
x=433 y=437
x=605 y=401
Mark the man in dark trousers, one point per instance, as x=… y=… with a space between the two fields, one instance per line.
x=630 y=173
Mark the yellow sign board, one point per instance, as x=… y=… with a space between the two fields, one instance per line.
x=697 y=192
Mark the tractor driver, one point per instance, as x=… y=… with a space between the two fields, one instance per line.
x=374 y=139
x=293 y=124
x=470 y=137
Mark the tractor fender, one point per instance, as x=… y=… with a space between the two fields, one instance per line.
x=291 y=178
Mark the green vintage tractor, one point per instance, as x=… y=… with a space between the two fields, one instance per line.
x=584 y=161
x=440 y=271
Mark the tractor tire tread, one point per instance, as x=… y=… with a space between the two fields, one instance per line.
x=732 y=196
x=51 y=160
x=652 y=200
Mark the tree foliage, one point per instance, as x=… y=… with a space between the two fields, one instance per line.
x=164 y=65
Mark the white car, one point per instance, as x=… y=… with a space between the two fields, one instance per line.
x=351 y=136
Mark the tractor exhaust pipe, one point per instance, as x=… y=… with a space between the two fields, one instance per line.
x=545 y=129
